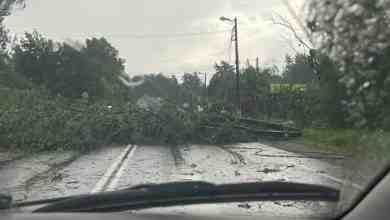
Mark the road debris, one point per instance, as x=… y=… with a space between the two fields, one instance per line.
x=268 y=170
x=244 y=206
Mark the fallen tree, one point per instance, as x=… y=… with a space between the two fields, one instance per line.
x=33 y=120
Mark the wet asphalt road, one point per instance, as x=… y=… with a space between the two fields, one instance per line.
x=50 y=176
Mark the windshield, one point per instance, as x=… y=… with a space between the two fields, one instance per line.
x=98 y=96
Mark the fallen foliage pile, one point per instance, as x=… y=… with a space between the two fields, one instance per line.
x=30 y=120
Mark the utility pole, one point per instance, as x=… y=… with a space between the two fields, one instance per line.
x=257 y=65
x=235 y=39
x=205 y=82
x=237 y=65
x=205 y=87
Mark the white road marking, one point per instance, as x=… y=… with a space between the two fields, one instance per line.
x=114 y=182
x=335 y=179
x=103 y=182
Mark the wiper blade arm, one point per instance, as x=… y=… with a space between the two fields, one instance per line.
x=186 y=193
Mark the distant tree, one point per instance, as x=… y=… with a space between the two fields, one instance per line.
x=191 y=87
x=35 y=58
x=94 y=69
x=255 y=87
x=158 y=85
x=6 y=7
x=8 y=77
x=222 y=84
x=72 y=77
x=192 y=82
x=274 y=74
x=299 y=71
x=104 y=62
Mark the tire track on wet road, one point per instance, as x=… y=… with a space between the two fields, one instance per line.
x=219 y=164
x=77 y=176
x=114 y=168
x=258 y=153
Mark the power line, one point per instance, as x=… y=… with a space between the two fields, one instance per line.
x=160 y=35
x=215 y=55
x=142 y=36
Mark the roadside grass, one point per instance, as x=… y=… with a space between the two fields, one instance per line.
x=359 y=143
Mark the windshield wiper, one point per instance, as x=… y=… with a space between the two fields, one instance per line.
x=187 y=193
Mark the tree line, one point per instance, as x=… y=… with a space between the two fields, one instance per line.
x=81 y=88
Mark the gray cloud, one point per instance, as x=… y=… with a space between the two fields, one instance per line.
x=121 y=20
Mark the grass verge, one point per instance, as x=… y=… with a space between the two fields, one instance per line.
x=360 y=143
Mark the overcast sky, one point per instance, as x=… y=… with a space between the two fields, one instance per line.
x=159 y=35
